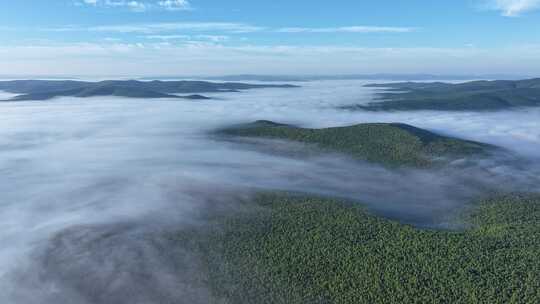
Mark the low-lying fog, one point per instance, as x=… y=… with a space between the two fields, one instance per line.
x=88 y=184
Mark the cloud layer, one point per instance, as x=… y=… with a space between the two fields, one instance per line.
x=91 y=187
x=205 y=56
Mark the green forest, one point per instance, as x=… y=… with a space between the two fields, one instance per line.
x=297 y=249
x=467 y=96
x=389 y=144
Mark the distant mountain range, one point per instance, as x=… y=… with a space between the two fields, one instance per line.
x=388 y=76
x=468 y=96
x=48 y=89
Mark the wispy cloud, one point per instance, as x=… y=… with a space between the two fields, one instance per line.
x=174 y=5
x=230 y=27
x=151 y=28
x=513 y=8
x=348 y=29
x=211 y=38
x=168 y=37
x=194 y=57
x=138 y=5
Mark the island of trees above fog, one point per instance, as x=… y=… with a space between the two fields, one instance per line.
x=468 y=96
x=48 y=89
x=390 y=144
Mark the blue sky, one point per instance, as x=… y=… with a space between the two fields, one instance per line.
x=204 y=37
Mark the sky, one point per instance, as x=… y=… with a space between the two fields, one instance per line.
x=209 y=37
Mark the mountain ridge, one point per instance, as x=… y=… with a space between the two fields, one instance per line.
x=48 y=89
x=391 y=144
x=479 y=95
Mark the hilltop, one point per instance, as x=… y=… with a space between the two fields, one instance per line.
x=48 y=89
x=468 y=96
x=391 y=144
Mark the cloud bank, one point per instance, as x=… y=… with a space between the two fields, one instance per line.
x=93 y=187
x=213 y=56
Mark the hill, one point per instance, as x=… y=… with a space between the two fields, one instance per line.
x=102 y=91
x=391 y=144
x=468 y=96
x=48 y=89
x=397 y=77
x=294 y=249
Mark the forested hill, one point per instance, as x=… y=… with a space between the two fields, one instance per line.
x=468 y=96
x=47 y=89
x=390 y=144
x=300 y=249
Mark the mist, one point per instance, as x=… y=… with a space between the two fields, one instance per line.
x=90 y=186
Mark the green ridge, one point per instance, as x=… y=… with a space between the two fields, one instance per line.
x=468 y=96
x=48 y=89
x=389 y=144
x=292 y=249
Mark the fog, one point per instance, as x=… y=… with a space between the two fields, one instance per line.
x=90 y=186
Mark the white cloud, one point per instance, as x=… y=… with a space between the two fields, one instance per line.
x=513 y=8
x=136 y=6
x=197 y=57
x=132 y=5
x=168 y=37
x=211 y=38
x=139 y=5
x=230 y=27
x=112 y=39
x=151 y=28
x=174 y=5
x=348 y=29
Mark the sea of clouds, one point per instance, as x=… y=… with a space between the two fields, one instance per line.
x=89 y=186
